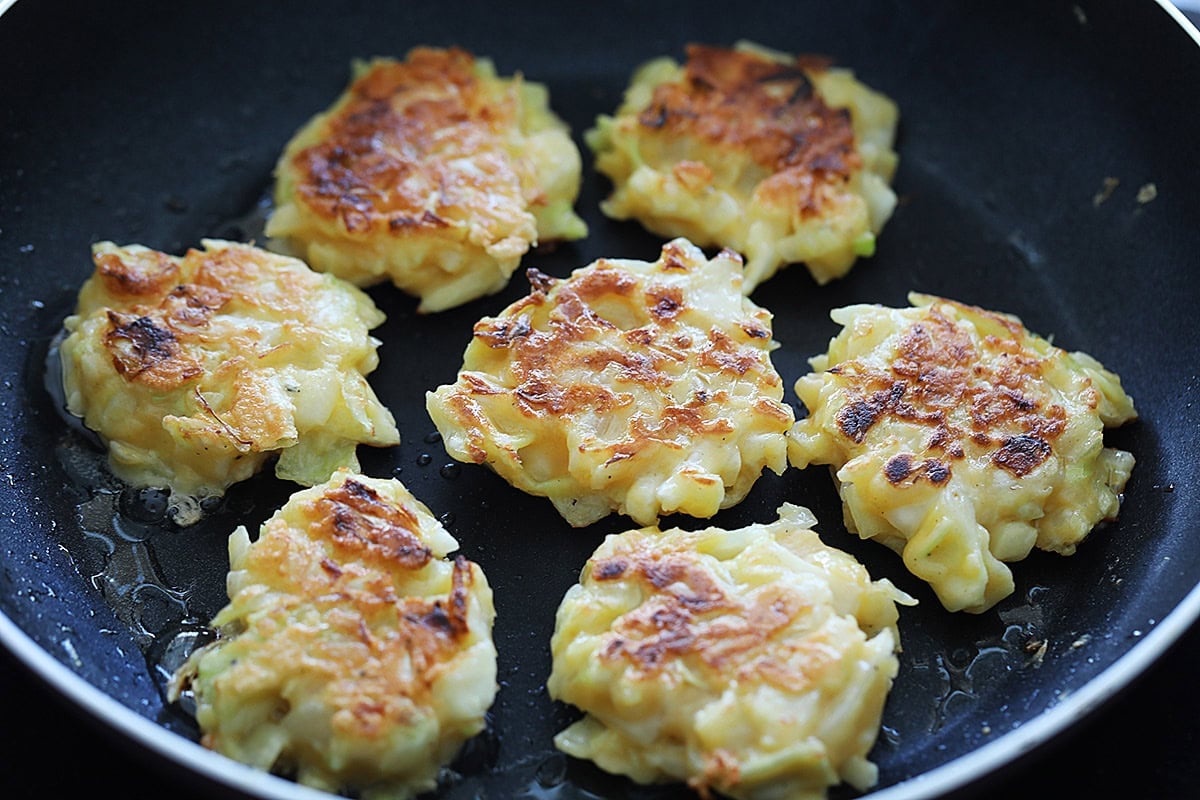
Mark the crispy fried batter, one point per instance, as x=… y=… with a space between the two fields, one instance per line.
x=780 y=158
x=645 y=388
x=431 y=172
x=740 y=102
x=197 y=369
x=352 y=651
x=961 y=440
x=982 y=394
x=753 y=662
x=378 y=167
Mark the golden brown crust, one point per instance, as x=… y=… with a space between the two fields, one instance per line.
x=354 y=655
x=357 y=519
x=148 y=353
x=148 y=346
x=961 y=440
x=750 y=663
x=435 y=173
x=639 y=387
x=151 y=274
x=372 y=546
x=768 y=109
x=689 y=616
x=538 y=358
x=385 y=153
x=195 y=369
x=937 y=370
x=172 y=303
x=784 y=159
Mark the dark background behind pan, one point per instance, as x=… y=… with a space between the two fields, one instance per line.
x=159 y=124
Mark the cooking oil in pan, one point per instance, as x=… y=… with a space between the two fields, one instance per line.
x=164 y=581
x=958 y=670
x=117 y=547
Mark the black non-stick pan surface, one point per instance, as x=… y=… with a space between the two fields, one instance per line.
x=1049 y=158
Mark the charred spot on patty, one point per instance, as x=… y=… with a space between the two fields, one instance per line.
x=1022 y=454
x=355 y=513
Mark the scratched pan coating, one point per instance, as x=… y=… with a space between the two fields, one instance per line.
x=160 y=123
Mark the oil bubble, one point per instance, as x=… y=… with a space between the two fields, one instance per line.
x=145 y=505
x=552 y=771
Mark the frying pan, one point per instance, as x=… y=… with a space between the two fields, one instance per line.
x=1049 y=157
